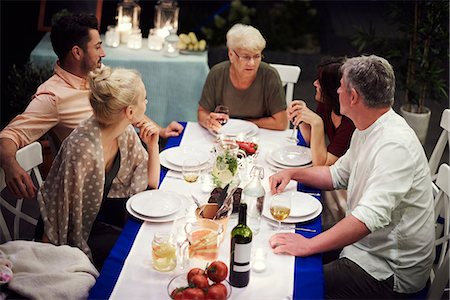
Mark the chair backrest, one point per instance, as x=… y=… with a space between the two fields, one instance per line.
x=18 y=217
x=440 y=274
x=289 y=76
x=443 y=140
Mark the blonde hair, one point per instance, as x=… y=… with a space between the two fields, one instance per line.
x=246 y=37
x=112 y=90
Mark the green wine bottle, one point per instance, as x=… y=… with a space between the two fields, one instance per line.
x=241 y=247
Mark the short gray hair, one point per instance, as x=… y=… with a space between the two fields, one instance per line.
x=373 y=77
x=112 y=90
x=246 y=37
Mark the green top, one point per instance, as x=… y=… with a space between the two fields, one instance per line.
x=264 y=98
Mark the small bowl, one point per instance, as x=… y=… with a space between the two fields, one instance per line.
x=180 y=281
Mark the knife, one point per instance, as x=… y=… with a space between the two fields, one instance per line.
x=222 y=196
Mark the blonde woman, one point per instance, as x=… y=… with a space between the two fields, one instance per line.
x=250 y=88
x=99 y=163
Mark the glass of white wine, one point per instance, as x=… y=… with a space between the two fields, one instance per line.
x=191 y=170
x=280 y=207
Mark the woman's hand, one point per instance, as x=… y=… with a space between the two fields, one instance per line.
x=148 y=132
x=299 y=112
x=212 y=121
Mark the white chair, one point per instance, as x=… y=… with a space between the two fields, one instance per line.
x=18 y=217
x=440 y=273
x=289 y=76
x=443 y=140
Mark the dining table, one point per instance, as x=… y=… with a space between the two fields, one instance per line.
x=173 y=84
x=128 y=273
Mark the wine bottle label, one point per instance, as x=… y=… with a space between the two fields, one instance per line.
x=242 y=253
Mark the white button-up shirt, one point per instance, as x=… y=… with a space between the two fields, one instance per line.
x=386 y=174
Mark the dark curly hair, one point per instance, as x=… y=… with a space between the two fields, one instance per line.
x=329 y=76
x=70 y=30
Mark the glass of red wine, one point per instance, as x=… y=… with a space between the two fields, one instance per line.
x=222 y=109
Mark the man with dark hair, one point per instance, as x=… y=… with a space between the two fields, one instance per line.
x=60 y=103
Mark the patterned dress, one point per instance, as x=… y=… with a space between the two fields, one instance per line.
x=71 y=196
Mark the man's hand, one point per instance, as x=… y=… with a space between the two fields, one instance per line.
x=173 y=129
x=148 y=132
x=289 y=244
x=279 y=181
x=18 y=181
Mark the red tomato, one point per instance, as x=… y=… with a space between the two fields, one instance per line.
x=217 y=292
x=217 y=271
x=193 y=294
x=193 y=272
x=177 y=294
x=200 y=281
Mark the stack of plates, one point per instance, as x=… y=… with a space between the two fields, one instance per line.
x=290 y=156
x=156 y=206
x=173 y=158
x=304 y=207
x=236 y=127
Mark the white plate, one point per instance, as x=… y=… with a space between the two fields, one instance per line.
x=235 y=127
x=181 y=212
x=292 y=220
x=163 y=161
x=177 y=155
x=292 y=156
x=303 y=205
x=279 y=166
x=156 y=203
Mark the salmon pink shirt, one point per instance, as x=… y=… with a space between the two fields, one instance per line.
x=60 y=104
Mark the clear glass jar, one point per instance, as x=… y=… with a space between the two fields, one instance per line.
x=171 y=45
x=112 y=36
x=135 y=39
x=164 y=253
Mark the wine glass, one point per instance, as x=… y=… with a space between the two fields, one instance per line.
x=280 y=207
x=191 y=169
x=222 y=109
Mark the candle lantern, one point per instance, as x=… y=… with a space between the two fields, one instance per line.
x=166 y=17
x=171 y=45
x=128 y=18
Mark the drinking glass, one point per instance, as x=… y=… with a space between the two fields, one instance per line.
x=191 y=170
x=280 y=207
x=164 y=257
x=222 y=109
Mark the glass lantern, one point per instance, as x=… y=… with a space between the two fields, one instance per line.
x=166 y=17
x=128 y=18
x=171 y=45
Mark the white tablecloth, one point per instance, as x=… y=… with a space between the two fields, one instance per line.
x=138 y=280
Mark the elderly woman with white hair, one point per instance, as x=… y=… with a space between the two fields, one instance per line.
x=250 y=88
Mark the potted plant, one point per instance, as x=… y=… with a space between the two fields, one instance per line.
x=426 y=58
x=420 y=58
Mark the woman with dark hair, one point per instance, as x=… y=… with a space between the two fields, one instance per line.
x=327 y=121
